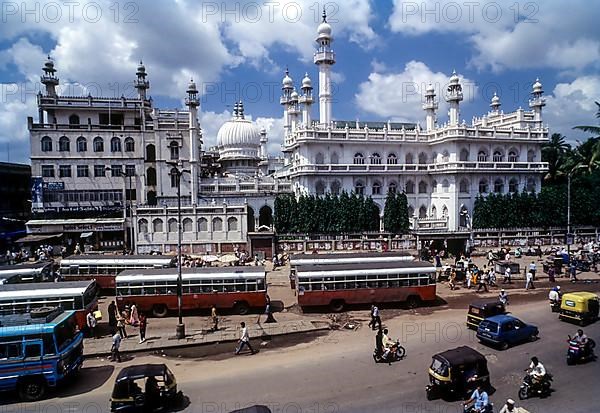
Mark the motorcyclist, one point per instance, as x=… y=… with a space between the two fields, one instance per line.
x=582 y=341
x=503 y=297
x=481 y=399
x=379 y=341
x=510 y=407
x=536 y=371
x=554 y=295
x=388 y=344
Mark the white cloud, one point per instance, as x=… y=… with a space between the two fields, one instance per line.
x=210 y=122
x=572 y=104
x=274 y=128
x=398 y=96
x=510 y=35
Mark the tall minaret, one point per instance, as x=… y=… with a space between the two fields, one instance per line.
x=453 y=97
x=324 y=58
x=430 y=106
x=287 y=87
x=192 y=103
x=49 y=79
x=263 y=144
x=306 y=100
x=537 y=102
x=495 y=105
x=294 y=110
x=141 y=84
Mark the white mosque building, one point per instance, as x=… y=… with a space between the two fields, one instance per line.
x=441 y=169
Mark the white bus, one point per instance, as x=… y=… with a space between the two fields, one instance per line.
x=25 y=273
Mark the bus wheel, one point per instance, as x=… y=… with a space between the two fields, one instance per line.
x=159 y=310
x=241 y=308
x=337 y=305
x=32 y=389
x=413 y=301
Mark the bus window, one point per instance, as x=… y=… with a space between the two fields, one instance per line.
x=251 y=285
x=195 y=288
x=217 y=286
x=73 y=270
x=382 y=282
x=49 y=345
x=393 y=281
x=33 y=350
x=339 y=285
x=260 y=284
x=10 y=350
x=414 y=280
x=372 y=283
x=228 y=286
x=404 y=282
x=65 y=333
x=350 y=282
x=316 y=284
x=360 y=281
x=206 y=286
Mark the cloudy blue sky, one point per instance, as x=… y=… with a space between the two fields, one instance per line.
x=387 y=51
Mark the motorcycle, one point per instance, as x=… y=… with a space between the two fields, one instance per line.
x=579 y=353
x=529 y=388
x=397 y=353
x=471 y=409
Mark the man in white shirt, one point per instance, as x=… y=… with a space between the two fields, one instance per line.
x=115 y=355
x=507 y=275
x=532 y=269
x=529 y=281
x=510 y=407
x=91 y=324
x=537 y=371
x=244 y=340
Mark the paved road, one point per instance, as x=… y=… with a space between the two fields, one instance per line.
x=336 y=373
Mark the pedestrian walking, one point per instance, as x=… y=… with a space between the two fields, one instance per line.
x=503 y=297
x=490 y=257
x=468 y=278
x=112 y=317
x=375 y=317
x=244 y=340
x=134 y=318
x=507 y=275
x=215 y=318
x=483 y=281
x=452 y=280
x=573 y=272
x=91 y=324
x=529 y=281
x=267 y=309
x=115 y=355
x=532 y=269
x=551 y=274
x=121 y=326
x=143 y=325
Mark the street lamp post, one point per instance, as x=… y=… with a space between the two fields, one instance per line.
x=569 y=208
x=180 y=329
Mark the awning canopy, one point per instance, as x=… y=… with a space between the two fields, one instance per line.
x=37 y=238
x=86 y=234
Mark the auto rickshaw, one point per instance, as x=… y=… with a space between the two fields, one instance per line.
x=145 y=388
x=580 y=307
x=482 y=309
x=457 y=372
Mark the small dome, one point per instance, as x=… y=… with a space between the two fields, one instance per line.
x=287 y=81
x=192 y=86
x=430 y=88
x=141 y=67
x=454 y=78
x=537 y=86
x=324 y=29
x=495 y=98
x=306 y=82
x=294 y=95
x=49 y=63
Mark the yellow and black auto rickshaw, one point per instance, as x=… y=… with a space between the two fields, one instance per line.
x=579 y=307
x=482 y=309
x=145 y=388
x=456 y=372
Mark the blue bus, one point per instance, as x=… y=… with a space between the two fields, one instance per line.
x=38 y=350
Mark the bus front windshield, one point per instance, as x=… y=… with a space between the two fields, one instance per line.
x=65 y=333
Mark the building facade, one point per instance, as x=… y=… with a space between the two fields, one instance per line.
x=441 y=168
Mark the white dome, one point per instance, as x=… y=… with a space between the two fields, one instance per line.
x=537 y=86
x=238 y=133
x=454 y=78
x=495 y=98
x=294 y=95
x=287 y=81
x=306 y=82
x=430 y=88
x=324 y=29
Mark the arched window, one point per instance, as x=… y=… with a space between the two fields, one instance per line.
x=434 y=185
x=375 y=159
x=445 y=156
x=319 y=159
x=422 y=158
x=217 y=224
x=359 y=159
x=463 y=186
x=445 y=185
x=73 y=121
x=483 y=186
x=142 y=226
x=320 y=188
x=46 y=144
x=335 y=187
x=129 y=144
x=531 y=155
x=157 y=225
x=335 y=159
x=392 y=159
x=232 y=224
x=482 y=156
x=150 y=153
x=64 y=144
x=497 y=156
x=174 y=149
x=513 y=186
x=409 y=159
x=499 y=186
x=411 y=212
x=202 y=225
x=376 y=190
x=115 y=145
x=98 y=144
x=392 y=187
x=188 y=225
x=433 y=212
x=513 y=155
x=150 y=176
x=410 y=187
x=81 y=144
x=174 y=177
x=464 y=155
x=423 y=212
x=444 y=211
x=530 y=187
x=422 y=187
x=359 y=188
x=172 y=225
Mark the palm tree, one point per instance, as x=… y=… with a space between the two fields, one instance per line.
x=595 y=130
x=555 y=153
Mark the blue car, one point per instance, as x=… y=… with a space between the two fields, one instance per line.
x=505 y=330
